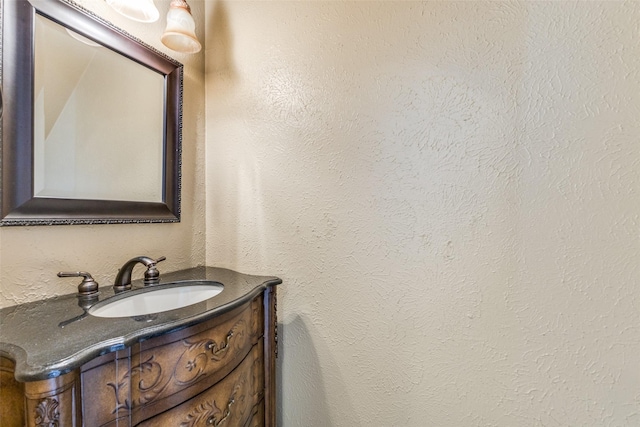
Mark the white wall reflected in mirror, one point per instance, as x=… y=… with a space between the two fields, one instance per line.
x=99 y=121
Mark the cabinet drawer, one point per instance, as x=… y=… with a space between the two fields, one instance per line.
x=237 y=400
x=164 y=374
x=104 y=374
x=164 y=371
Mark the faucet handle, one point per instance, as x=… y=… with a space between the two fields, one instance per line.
x=152 y=275
x=88 y=286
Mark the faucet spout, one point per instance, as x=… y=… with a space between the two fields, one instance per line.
x=151 y=276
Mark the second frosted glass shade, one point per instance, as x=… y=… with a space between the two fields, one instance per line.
x=138 y=10
x=180 y=34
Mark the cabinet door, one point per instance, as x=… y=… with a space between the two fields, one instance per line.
x=235 y=401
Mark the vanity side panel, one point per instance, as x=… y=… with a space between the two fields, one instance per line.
x=54 y=402
x=270 y=355
x=11 y=396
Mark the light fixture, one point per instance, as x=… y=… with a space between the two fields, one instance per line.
x=138 y=10
x=180 y=34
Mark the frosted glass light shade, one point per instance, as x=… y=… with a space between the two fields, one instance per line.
x=180 y=33
x=138 y=10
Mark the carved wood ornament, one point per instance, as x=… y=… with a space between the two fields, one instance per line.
x=47 y=414
x=148 y=376
x=210 y=414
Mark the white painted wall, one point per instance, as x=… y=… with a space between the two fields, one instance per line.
x=30 y=257
x=449 y=191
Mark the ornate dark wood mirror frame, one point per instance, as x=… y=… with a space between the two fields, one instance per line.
x=18 y=204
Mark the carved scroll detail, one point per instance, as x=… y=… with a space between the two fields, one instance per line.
x=148 y=375
x=192 y=364
x=208 y=413
x=149 y=379
x=47 y=414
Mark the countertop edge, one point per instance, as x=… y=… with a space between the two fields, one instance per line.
x=25 y=372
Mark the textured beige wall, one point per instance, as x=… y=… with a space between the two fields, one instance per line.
x=30 y=257
x=449 y=191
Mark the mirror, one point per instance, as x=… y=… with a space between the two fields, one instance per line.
x=83 y=131
x=92 y=120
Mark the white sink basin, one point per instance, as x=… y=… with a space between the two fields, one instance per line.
x=157 y=299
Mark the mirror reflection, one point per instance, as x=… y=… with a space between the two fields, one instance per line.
x=98 y=120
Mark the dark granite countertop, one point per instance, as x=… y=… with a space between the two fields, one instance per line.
x=31 y=334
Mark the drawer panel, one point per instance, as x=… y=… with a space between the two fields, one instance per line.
x=160 y=373
x=103 y=374
x=164 y=374
x=237 y=400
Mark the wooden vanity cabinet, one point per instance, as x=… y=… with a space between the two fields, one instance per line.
x=11 y=395
x=220 y=372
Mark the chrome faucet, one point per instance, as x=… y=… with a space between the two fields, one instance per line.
x=151 y=276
